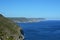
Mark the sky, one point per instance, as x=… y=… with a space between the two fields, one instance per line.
x=49 y=9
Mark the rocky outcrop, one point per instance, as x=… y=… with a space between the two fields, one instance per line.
x=9 y=30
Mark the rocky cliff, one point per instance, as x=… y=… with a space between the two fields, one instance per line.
x=9 y=30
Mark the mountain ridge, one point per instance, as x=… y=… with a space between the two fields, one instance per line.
x=25 y=20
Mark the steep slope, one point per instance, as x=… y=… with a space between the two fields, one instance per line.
x=9 y=30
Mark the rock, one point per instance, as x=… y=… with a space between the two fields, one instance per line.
x=9 y=30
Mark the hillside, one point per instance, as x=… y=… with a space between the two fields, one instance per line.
x=9 y=30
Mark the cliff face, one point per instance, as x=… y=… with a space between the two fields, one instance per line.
x=9 y=30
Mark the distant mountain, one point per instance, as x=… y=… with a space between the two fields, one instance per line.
x=24 y=20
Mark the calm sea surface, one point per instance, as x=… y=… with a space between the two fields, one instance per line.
x=44 y=30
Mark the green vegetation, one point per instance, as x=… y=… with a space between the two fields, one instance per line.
x=8 y=29
x=10 y=38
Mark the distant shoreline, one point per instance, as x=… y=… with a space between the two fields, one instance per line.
x=26 y=20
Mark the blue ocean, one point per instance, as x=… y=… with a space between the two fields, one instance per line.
x=43 y=30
